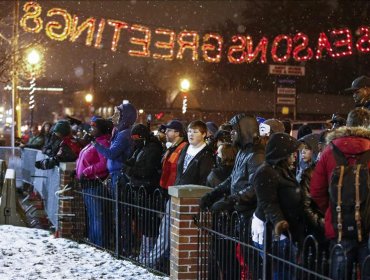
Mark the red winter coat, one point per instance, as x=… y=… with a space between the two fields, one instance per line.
x=351 y=141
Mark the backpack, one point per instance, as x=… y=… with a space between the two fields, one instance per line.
x=349 y=195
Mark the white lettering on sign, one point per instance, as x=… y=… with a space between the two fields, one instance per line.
x=286 y=100
x=288 y=70
x=286 y=91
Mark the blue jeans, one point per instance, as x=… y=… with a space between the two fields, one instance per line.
x=123 y=216
x=95 y=210
x=115 y=176
x=283 y=249
x=351 y=251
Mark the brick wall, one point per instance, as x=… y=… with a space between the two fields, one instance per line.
x=70 y=205
x=184 y=233
x=65 y=206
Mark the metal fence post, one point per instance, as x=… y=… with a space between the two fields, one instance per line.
x=267 y=241
x=117 y=221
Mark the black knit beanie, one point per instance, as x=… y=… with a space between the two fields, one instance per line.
x=62 y=127
x=141 y=130
x=280 y=146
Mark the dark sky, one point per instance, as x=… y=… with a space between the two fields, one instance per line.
x=73 y=62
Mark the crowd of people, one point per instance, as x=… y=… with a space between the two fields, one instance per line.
x=254 y=167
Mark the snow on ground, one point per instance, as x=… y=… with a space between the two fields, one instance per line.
x=32 y=254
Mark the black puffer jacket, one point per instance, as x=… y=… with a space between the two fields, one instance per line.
x=238 y=188
x=144 y=166
x=218 y=175
x=198 y=169
x=279 y=195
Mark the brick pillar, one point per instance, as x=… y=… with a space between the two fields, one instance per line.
x=184 y=233
x=65 y=211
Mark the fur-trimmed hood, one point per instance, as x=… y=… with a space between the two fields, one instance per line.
x=358 y=131
x=350 y=140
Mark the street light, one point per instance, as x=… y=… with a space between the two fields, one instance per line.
x=184 y=85
x=89 y=98
x=184 y=88
x=33 y=57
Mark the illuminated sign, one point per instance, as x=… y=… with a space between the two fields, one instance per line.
x=166 y=44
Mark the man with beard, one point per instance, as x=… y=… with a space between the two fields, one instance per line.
x=360 y=89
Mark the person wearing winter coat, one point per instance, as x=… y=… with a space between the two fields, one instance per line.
x=360 y=89
x=175 y=136
x=159 y=256
x=309 y=151
x=143 y=171
x=352 y=140
x=91 y=169
x=212 y=129
x=225 y=159
x=51 y=142
x=144 y=166
x=237 y=191
x=91 y=164
x=280 y=199
x=308 y=154
x=196 y=159
x=36 y=141
x=46 y=130
x=222 y=136
x=66 y=148
x=120 y=148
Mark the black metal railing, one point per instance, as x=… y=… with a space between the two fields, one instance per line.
x=130 y=222
x=227 y=251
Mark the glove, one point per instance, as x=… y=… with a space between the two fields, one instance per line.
x=281 y=227
x=130 y=162
x=83 y=177
x=88 y=138
x=38 y=164
x=235 y=198
x=73 y=174
x=223 y=205
x=205 y=201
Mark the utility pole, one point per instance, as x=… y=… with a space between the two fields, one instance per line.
x=94 y=79
x=14 y=71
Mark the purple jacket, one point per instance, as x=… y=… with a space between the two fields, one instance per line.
x=90 y=163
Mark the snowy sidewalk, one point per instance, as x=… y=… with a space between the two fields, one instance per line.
x=35 y=254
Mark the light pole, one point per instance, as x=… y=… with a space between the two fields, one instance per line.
x=34 y=62
x=184 y=88
x=94 y=87
x=15 y=70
